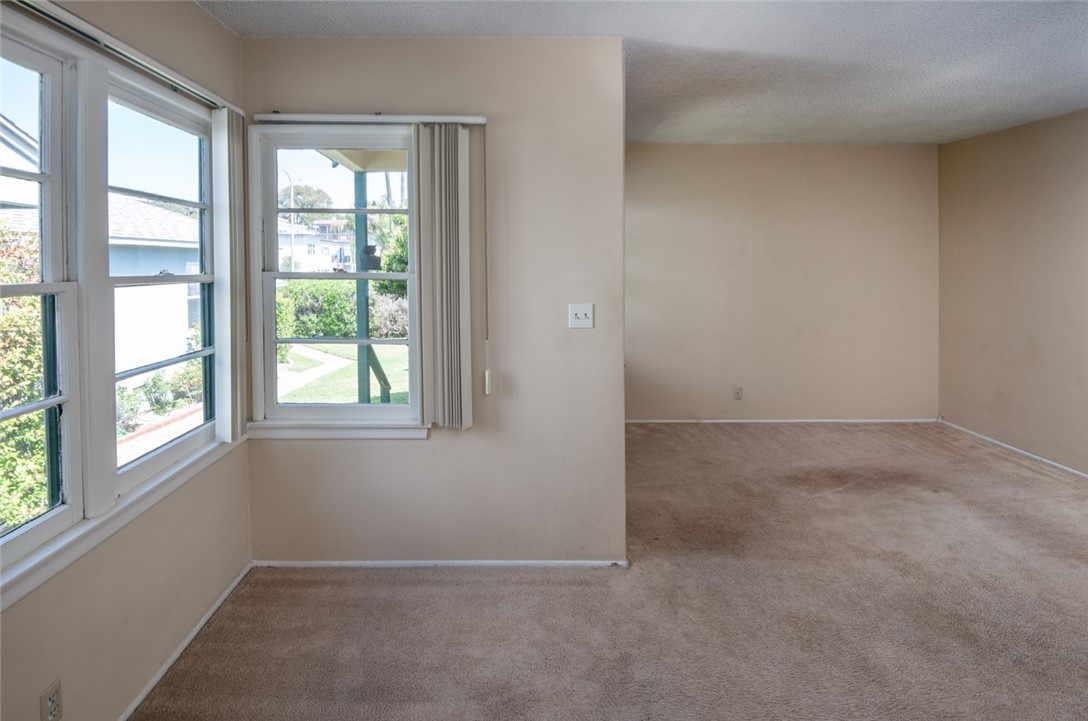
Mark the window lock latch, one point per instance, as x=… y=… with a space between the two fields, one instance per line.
x=165 y=272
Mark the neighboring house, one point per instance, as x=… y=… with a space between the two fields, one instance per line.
x=326 y=245
x=145 y=239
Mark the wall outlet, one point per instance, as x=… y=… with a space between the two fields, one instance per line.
x=738 y=393
x=51 y=706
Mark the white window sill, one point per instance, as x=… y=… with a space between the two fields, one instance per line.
x=330 y=430
x=22 y=576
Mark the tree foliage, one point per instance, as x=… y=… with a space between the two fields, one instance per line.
x=304 y=196
x=394 y=241
x=23 y=484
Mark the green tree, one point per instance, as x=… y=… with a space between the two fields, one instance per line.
x=285 y=324
x=393 y=237
x=23 y=485
x=322 y=308
x=304 y=196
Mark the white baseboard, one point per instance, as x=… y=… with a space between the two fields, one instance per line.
x=183 y=645
x=442 y=564
x=1014 y=449
x=791 y=420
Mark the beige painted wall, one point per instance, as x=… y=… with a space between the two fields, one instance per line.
x=109 y=621
x=805 y=273
x=178 y=34
x=541 y=474
x=1014 y=286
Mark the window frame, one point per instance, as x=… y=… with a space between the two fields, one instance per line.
x=144 y=97
x=56 y=274
x=98 y=499
x=270 y=417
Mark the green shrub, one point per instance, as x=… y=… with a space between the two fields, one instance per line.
x=159 y=396
x=187 y=385
x=129 y=404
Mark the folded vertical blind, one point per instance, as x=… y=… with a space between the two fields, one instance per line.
x=444 y=219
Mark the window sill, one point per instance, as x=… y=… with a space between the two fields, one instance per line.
x=329 y=430
x=21 y=577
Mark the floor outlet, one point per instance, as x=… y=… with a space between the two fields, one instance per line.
x=51 y=707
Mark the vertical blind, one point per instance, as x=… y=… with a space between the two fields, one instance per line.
x=444 y=187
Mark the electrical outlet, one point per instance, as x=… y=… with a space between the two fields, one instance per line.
x=738 y=393
x=51 y=706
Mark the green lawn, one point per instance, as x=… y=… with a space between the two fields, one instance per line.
x=300 y=363
x=341 y=386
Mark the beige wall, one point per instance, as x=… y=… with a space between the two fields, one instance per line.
x=805 y=273
x=541 y=474
x=179 y=35
x=1014 y=286
x=107 y=623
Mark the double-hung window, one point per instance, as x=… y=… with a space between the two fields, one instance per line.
x=340 y=328
x=39 y=461
x=117 y=316
x=160 y=267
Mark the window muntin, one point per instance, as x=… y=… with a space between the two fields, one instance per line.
x=160 y=267
x=349 y=192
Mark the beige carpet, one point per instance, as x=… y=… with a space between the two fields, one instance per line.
x=778 y=572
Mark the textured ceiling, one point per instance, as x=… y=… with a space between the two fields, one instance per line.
x=753 y=72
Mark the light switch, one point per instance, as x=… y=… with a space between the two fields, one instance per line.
x=580 y=315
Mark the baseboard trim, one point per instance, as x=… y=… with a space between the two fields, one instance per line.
x=442 y=564
x=789 y=420
x=1014 y=449
x=183 y=645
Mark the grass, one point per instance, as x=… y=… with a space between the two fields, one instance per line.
x=341 y=386
x=300 y=363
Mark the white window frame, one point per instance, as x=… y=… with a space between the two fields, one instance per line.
x=281 y=420
x=56 y=272
x=147 y=98
x=98 y=498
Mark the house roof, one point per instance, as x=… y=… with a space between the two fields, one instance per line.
x=727 y=71
x=136 y=220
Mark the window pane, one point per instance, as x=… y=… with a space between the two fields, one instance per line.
x=328 y=309
x=327 y=242
x=155 y=323
x=150 y=238
x=388 y=303
x=151 y=156
x=157 y=407
x=20 y=231
x=29 y=482
x=331 y=178
x=26 y=338
x=329 y=373
x=20 y=108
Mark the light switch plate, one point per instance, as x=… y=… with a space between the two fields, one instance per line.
x=580 y=315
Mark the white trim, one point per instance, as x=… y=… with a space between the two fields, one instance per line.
x=1014 y=449
x=184 y=644
x=789 y=420
x=619 y=563
x=318 y=430
x=371 y=118
x=52 y=557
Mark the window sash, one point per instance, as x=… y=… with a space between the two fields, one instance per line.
x=265 y=141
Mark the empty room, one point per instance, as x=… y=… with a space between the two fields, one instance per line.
x=458 y=359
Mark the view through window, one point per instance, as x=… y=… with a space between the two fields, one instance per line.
x=343 y=309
